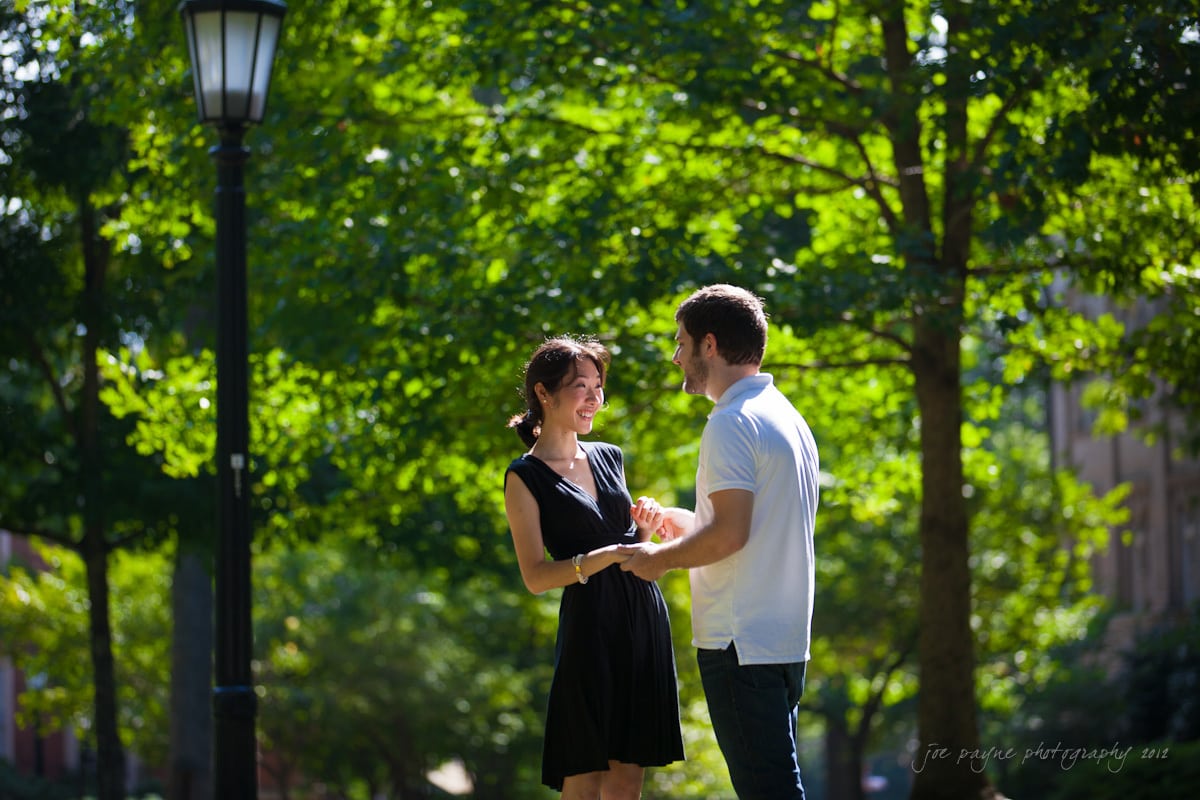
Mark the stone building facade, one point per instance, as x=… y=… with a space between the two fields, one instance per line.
x=53 y=756
x=1151 y=568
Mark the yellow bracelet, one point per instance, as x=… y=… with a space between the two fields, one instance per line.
x=577 y=561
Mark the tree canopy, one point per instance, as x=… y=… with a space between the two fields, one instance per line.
x=919 y=190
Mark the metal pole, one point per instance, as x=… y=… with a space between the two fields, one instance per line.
x=234 y=703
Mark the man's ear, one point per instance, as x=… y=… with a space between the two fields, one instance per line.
x=710 y=344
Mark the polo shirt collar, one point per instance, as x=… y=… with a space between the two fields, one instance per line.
x=743 y=386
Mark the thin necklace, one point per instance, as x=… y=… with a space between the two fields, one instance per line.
x=573 y=457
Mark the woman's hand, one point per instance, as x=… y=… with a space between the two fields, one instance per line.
x=641 y=561
x=648 y=516
x=602 y=557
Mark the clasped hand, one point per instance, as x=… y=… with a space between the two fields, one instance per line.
x=667 y=523
x=639 y=559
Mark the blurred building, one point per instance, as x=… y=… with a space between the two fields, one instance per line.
x=55 y=756
x=1151 y=569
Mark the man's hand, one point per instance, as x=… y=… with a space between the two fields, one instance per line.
x=643 y=560
x=676 y=522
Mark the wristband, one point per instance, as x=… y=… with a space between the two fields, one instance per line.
x=579 y=576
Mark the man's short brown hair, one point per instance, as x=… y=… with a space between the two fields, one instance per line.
x=734 y=316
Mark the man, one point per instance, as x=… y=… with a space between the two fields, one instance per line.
x=748 y=544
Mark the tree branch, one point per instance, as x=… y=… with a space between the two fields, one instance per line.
x=62 y=540
x=1008 y=270
x=60 y=399
x=1001 y=116
x=832 y=365
x=827 y=70
x=904 y=123
x=118 y=543
x=895 y=339
x=877 y=691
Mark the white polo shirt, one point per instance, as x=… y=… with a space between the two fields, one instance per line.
x=760 y=598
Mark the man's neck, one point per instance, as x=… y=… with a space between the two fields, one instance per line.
x=722 y=376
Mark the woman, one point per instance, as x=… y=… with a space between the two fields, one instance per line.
x=614 y=705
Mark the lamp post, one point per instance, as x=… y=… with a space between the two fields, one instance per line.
x=232 y=48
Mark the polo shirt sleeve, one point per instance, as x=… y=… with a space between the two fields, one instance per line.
x=732 y=454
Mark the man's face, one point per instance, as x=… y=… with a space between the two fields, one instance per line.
x=688 y=358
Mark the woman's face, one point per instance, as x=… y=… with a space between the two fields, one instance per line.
x=577 y=400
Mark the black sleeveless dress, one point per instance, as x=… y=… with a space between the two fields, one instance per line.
x=614 y=694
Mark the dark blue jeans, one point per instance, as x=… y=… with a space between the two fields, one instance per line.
x=754 y=714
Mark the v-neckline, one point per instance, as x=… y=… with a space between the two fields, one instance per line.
x=587 y=456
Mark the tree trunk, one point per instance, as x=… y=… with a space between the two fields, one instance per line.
x=190 y=760
x=946 y=708
x=842 y=765
x=110 y=753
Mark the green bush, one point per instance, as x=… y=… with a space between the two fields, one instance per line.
x=15 y=786
x=1162 y=683
x=1163 y=771
x=1151 y=706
